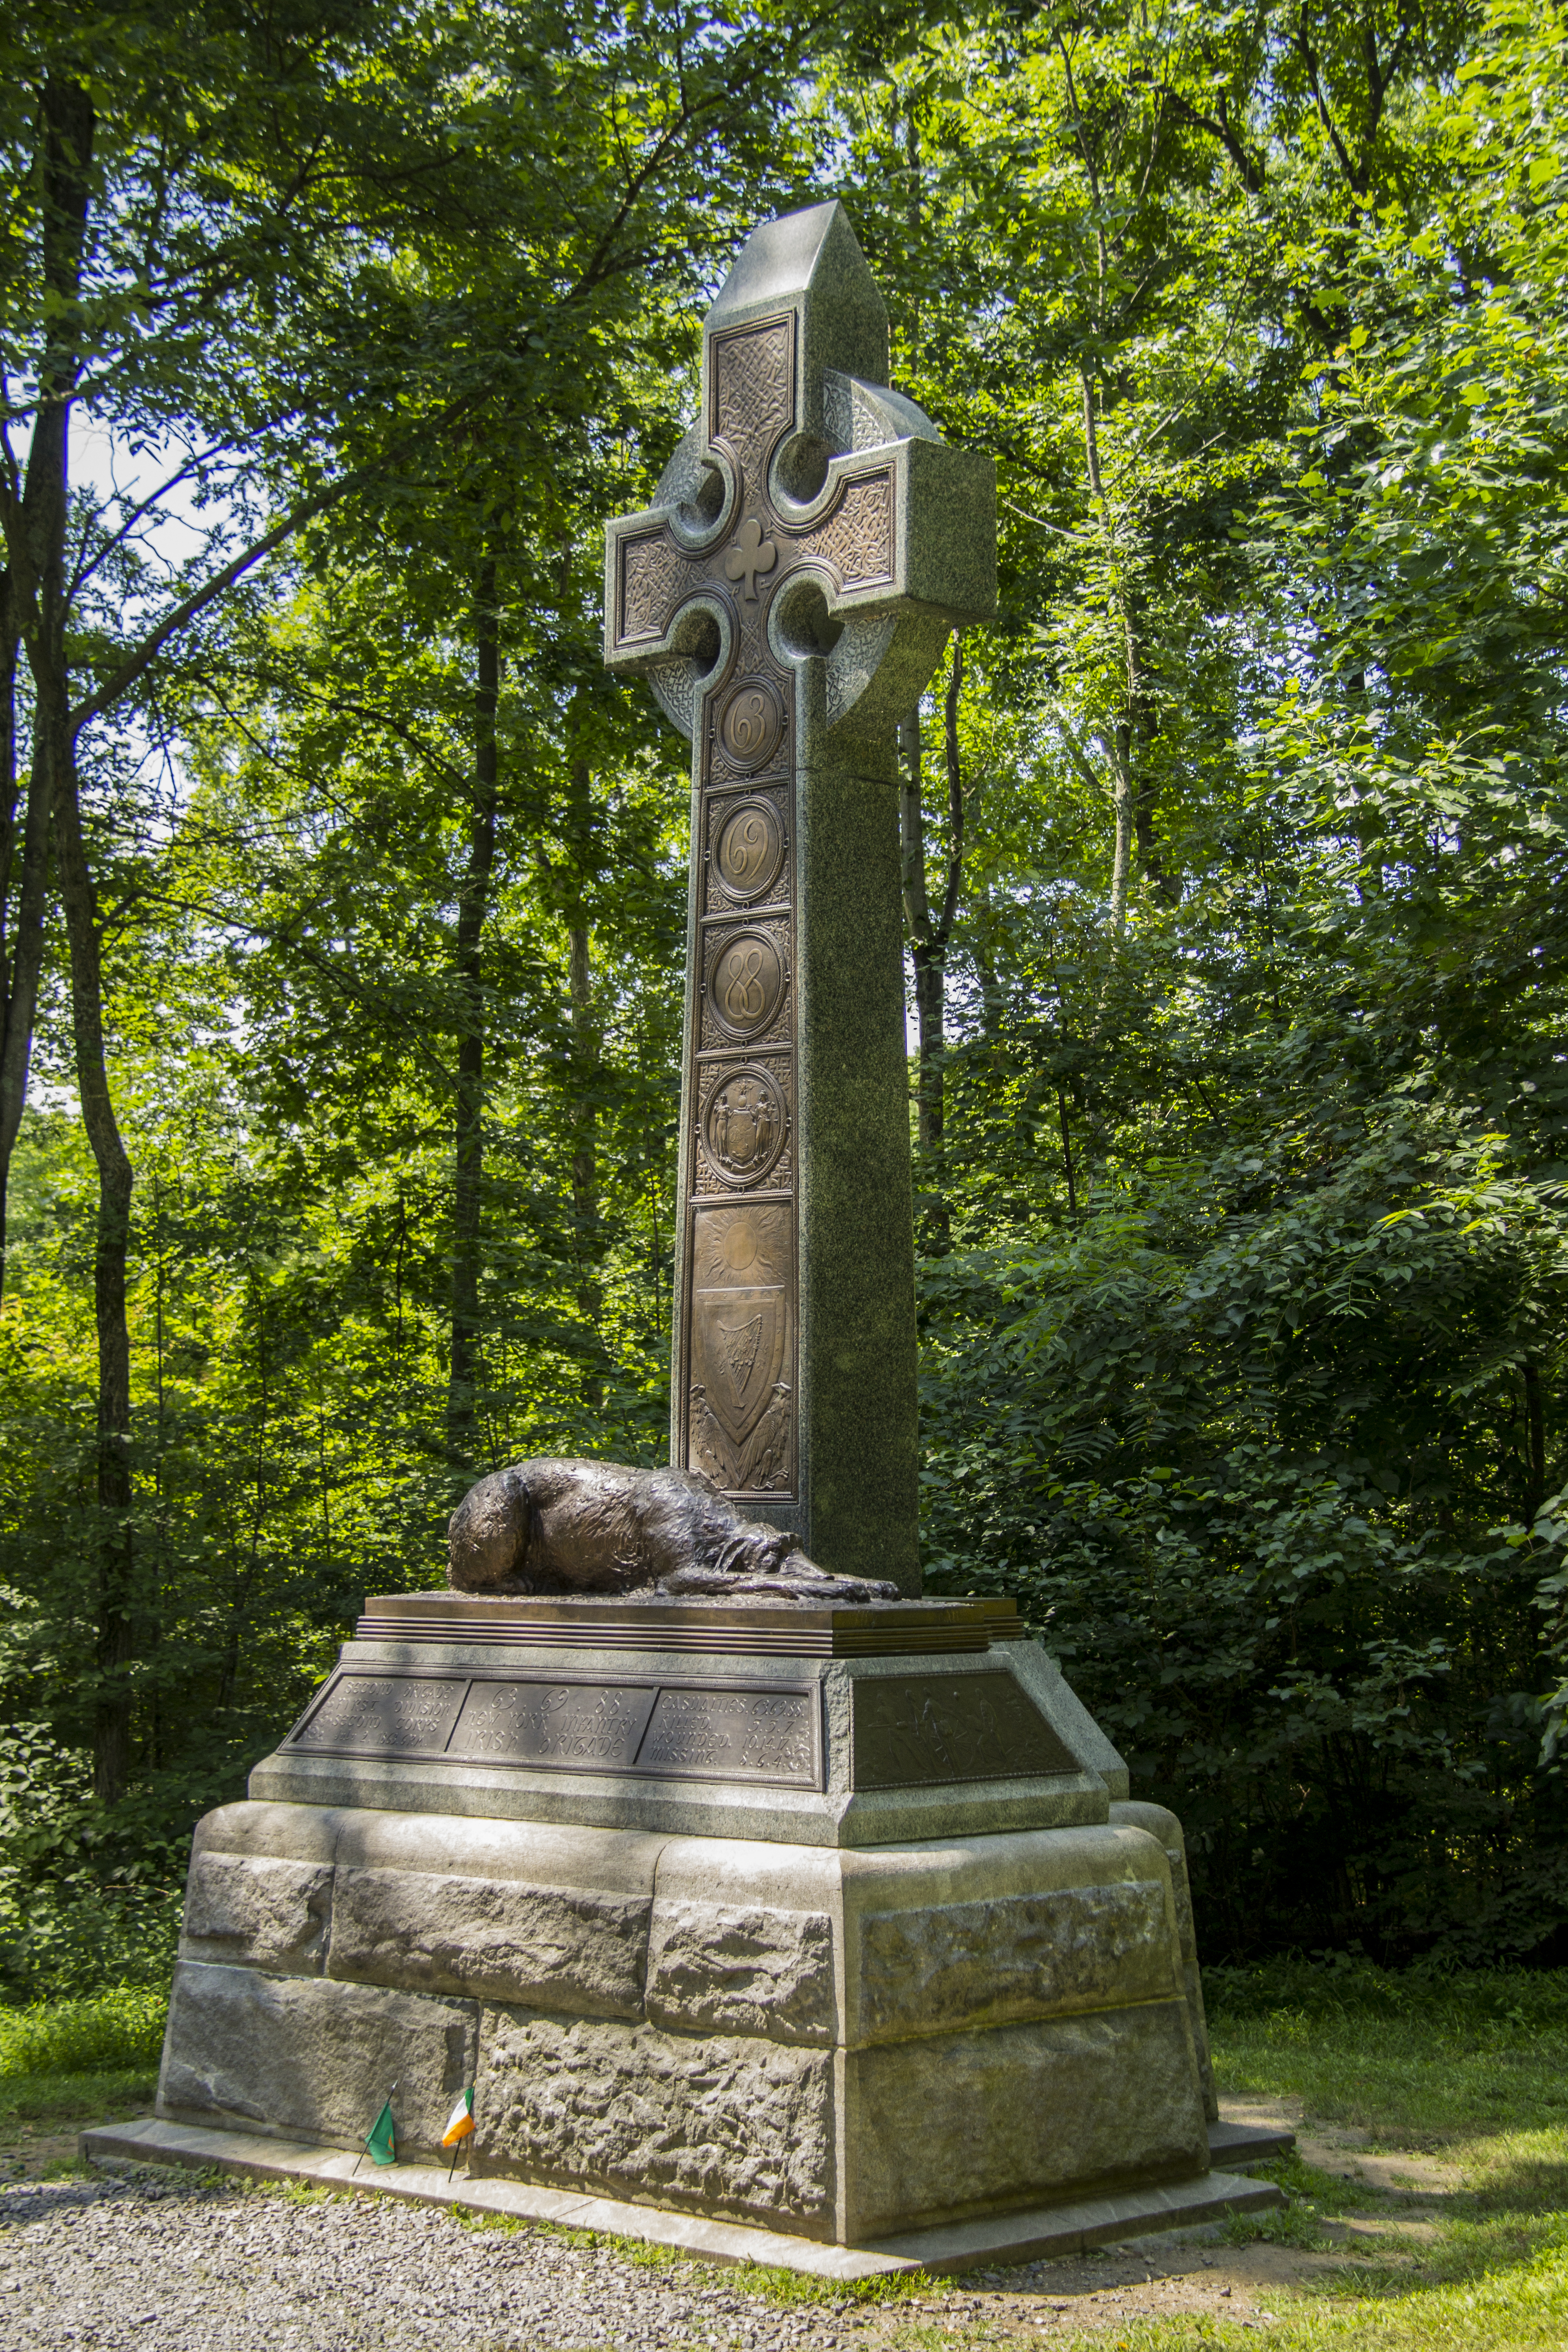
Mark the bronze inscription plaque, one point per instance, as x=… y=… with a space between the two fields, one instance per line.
x=689 y=1731
x=553 y=1723
x=376 y=1715
x=923 y=1730
x=734 y=1735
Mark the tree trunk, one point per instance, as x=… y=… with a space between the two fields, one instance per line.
x=116 y=1645
x=929 y=989
x=584 y=1074
x=42 y=603
x=24 y=949
x=983 y=955
x=1067 y=1153
x=930 y=1021
x=1141 y=730
x=930 y=936
x=1121 y=730
x=37 y=600
x=468 y=1137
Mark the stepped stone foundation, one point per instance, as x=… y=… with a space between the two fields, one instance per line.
x=834 y=2040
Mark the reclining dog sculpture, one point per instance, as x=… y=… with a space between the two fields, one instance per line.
x=568 y=1525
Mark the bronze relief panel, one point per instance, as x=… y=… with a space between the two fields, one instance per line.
x=656 y=577
x=737 y=1383
x=740 y=1398
x=856 y=538
x=745 y=1123
x=752 y=393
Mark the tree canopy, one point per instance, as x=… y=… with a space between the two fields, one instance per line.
x=343 y=893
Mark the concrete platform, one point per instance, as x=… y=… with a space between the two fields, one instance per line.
x=1047 y=2231
x=1238 y=2146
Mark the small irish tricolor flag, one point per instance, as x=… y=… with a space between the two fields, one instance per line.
x=381 y=2137
x=459 y=2124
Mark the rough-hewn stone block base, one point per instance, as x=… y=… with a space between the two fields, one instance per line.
x=311 y=2059
x=844 y=2045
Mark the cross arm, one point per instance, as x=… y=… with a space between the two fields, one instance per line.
x=896 y=545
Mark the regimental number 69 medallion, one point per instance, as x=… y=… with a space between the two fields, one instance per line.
x=744 y=1124
x=749 y=848
x=750 y=722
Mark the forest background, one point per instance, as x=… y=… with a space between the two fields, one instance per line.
x=344 y=895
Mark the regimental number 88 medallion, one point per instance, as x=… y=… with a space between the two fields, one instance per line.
x=746 y=983
x=752 y=722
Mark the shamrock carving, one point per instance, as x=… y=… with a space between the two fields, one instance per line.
x=752 y=553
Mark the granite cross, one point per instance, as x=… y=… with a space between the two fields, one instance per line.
x=788 y=596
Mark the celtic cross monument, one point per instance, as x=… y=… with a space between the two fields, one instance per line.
x=501 y=1855
x=787 y=596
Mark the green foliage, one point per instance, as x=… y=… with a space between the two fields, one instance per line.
x=1244 y=1369
x=1242 y=1295
x=1523 y=2002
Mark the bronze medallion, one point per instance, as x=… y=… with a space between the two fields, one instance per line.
x=747 y=984
x=744 y=1124
x=752 y=722
x=749 y=848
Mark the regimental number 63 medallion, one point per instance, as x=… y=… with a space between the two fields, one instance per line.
x=744 y=1124
x=750 y=722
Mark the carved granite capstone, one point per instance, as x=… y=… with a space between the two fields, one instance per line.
x=569 y=1526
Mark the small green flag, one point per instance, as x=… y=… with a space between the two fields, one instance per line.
x=381 y=2137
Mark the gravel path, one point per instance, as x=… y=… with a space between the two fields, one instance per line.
x=161 y=2261
x=170 y=2262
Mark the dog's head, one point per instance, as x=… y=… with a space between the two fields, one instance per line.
x=489 y=1534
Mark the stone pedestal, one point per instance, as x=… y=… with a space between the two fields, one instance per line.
x=844 y=1940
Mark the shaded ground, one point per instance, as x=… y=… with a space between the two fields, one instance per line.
x=1428 y=2213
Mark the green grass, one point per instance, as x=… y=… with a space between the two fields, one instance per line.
x=110 y=2033
x=1471 y=2071
x=76 y=2061
x=91 y=2097
x=1470 y=2074
x=1416 y=2062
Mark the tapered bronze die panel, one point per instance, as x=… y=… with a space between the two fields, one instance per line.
x=915 y=1730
